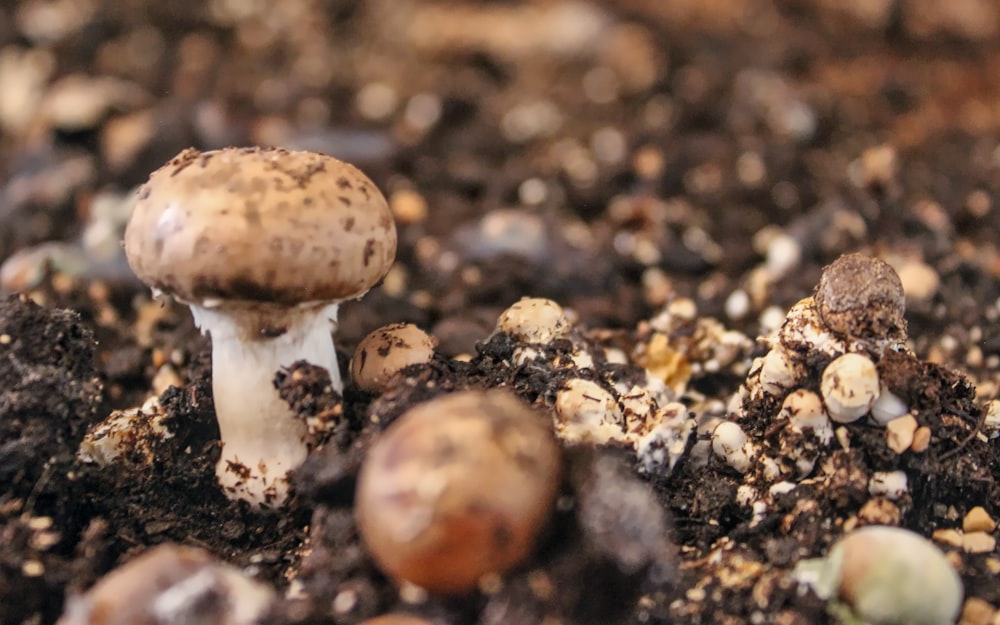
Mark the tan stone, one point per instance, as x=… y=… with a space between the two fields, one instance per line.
x=978 y=520
x=899 y=433
x=978 y=542
x=950 y=537
x=976 y=611
x=921 y=440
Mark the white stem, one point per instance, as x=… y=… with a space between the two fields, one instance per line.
x=262 y=439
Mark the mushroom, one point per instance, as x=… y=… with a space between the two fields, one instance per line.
x=862 y=297
x=885 y=575
x=263 y=244
x=387 y=351
x=458 y=488
x=171 y=583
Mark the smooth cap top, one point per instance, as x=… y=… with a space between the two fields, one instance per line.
x=260 y=225
x=388 y=350
x=862 y=297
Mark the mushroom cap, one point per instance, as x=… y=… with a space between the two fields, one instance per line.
x=146 y=589
x=862 y=297
x=388 y=350
x=457 y=488
x=260 y=225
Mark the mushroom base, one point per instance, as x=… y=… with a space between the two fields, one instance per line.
x=262 y=439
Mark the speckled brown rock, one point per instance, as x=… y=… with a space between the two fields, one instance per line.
x=458 y=488
x=862 y=297
x=260 y=224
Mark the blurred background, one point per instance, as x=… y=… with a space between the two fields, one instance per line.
x=611 y=154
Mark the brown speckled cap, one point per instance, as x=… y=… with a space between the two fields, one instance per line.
x=387 y=350
x=260 y=225
x=862 y=297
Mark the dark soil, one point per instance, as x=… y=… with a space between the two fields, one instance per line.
x=653 y=162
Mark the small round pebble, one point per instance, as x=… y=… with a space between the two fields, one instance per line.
x=888 y=406
x=731 y=443
x=778 y=372
x=387 y=350
x=804 y=411
x=850 y=385
x=458 y=488
x=862 y=297
x=891 y=484
x=920 y=281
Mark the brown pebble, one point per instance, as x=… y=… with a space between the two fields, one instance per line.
x=862 y=297
x=458 y=488
x=921 y=440
x=408 y=206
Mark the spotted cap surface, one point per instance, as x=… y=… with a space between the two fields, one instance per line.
x=260 y=225
x=862 y=297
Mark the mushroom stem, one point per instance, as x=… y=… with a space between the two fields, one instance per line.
x=262 y=439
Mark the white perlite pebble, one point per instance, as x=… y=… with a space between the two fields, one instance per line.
x=737 y=305
x=850 y=386
x=770 y=319
x=991 y=422
x=804 y=411
x=534 y=320
x=778 y=372
x=586 y=412
x=781 y=488
x=638 y=408
x=783 y=255
x=889 y=484
x=125 y=435
x=730 y=443
x=659 y=449
x=886 y=576
x=803 y=328
x=888 y=406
